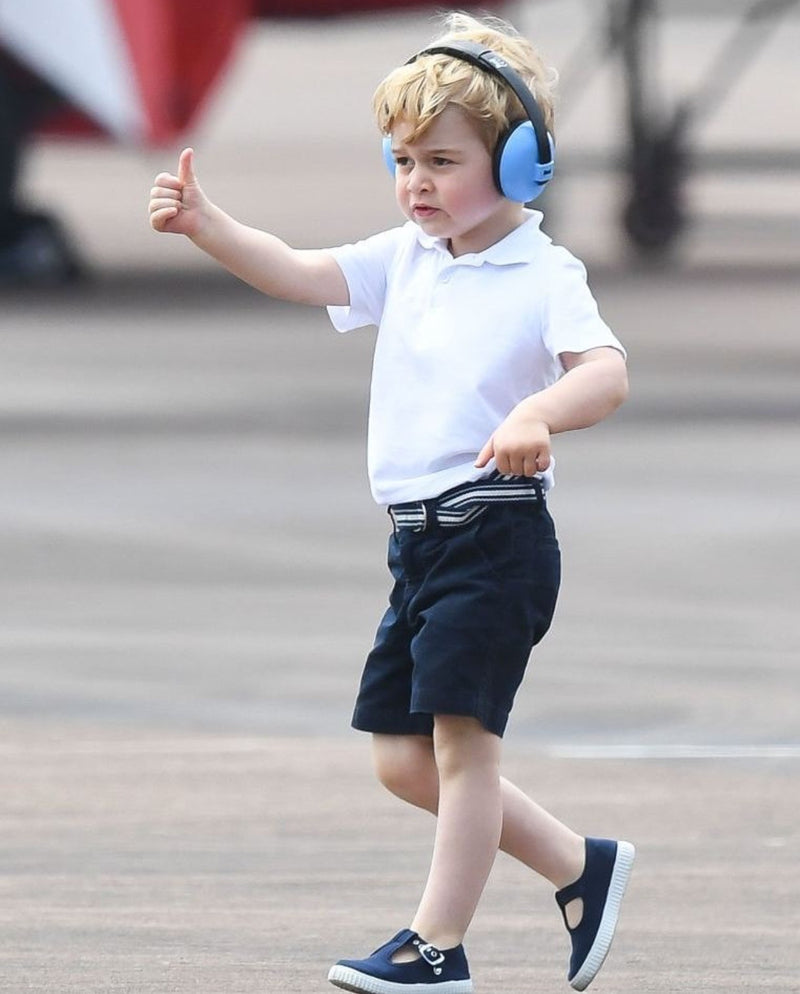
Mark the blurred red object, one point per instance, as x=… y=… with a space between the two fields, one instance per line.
x=321 y=8
x=138 y=71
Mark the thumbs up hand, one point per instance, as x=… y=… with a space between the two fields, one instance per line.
x=177 y=204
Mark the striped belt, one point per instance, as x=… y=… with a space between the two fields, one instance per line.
x=462 y=504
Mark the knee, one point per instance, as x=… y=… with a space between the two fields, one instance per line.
x=462 y=744
x=405 y=766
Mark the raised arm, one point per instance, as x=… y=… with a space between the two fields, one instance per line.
x=308 y=276
x=594 y=385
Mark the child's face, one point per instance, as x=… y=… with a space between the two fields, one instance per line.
x=444 y=183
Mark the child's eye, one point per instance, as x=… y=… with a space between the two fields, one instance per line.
x=440 y=160
x=402 y=161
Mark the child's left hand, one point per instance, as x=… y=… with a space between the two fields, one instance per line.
x=520 y=446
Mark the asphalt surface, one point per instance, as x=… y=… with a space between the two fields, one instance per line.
x=193 y=570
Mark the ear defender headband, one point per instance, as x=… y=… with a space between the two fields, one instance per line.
x=522 y=162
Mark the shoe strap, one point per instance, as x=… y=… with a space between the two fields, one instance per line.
x=406 y=937
x=403 y=938
x=569 y=893
x=433 y=957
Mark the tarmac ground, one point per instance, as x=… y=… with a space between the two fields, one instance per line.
x=193 y=570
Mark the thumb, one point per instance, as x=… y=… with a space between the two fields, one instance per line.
x=485 y=454
x=186 y=167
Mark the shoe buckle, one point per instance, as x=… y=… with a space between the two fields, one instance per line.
x=432 y=956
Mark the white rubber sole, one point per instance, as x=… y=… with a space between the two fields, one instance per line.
x=623 y=864
x=362 y=983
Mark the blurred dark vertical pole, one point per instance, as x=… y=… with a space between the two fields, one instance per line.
x=655 y=214
x=33 y=246
x=10 y=144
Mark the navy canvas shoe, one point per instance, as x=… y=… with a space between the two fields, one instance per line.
x=434 y=972
x=600 y=887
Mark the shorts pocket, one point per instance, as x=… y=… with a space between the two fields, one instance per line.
x=517 y=542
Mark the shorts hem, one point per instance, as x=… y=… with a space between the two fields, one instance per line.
x=494 y=718
x=420 y=720
x=393 y=723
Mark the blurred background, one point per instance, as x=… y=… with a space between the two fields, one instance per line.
x=677 y=124
x=156 y=413
x=192 y=567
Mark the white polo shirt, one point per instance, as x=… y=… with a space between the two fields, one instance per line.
x=460 y=343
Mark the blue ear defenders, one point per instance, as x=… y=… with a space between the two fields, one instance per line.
x=523 y=158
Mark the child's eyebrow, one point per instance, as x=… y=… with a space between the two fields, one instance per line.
x=425 y=150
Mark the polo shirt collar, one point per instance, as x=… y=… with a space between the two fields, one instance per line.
x=515 y=248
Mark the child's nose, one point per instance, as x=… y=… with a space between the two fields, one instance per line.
x=418 y=179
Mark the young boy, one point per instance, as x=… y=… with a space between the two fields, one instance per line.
x=489 y=343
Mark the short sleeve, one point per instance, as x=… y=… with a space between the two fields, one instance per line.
x=573 y=322
x=365 y=266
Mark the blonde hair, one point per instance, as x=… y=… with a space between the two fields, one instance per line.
x=418 y=92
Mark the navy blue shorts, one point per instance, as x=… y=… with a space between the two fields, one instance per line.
x=468 y=605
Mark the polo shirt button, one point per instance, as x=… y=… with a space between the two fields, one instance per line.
x=445 y=278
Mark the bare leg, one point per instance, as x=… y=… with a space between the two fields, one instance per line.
x=467 y=829
x=407 y=766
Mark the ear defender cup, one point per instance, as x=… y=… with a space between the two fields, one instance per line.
x=388 y=158
x=518 y=173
